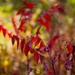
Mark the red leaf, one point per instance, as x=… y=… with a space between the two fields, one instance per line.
x=38 y=31
x=37 y=41
x=1 y=27
x=4 y=31
x=31 y=50
x=14 y=25
x=47 y=17
x=70 y=48
x=42 y=46
x=46 y=24
x=58 y=7
x=36 y=57
x=22 y=44
x=52 y=41
x=21 y=27
x=50 y=72
x=20 y=12
x=9 y=34
x=26 y=50
x=15 y=38
x=33 y=38
x=29 y=5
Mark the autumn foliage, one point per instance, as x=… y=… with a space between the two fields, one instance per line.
x=34 y=44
